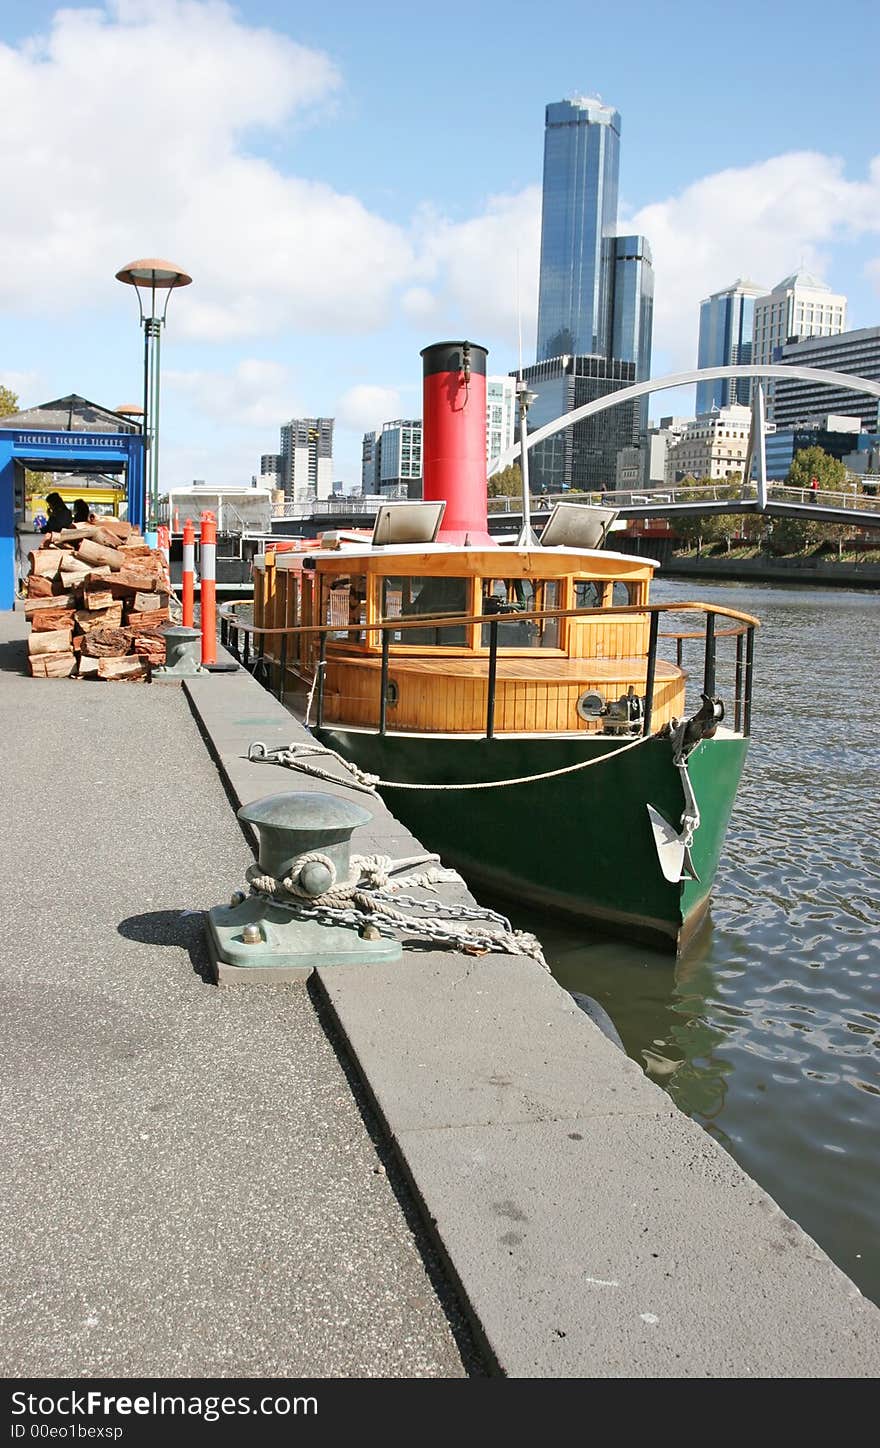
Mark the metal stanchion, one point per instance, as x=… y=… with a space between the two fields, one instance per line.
x=188 y=591
x=208 y=562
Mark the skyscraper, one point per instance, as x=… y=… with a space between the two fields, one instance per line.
x=595 y=298
x=726 y=330
x=799 y=306
x=307 y=458
x=596 y=289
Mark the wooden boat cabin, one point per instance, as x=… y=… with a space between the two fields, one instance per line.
x=439 y=675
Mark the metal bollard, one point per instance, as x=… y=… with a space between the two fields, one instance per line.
x=189 y=573
x=182 y=647
x=305 y=838
x=208 y=565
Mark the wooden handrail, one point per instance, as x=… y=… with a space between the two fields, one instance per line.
x=454 y=620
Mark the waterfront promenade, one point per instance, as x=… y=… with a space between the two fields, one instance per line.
x=191 y=1188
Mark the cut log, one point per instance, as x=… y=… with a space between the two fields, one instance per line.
x=46 y=561
x=135 y=580
x=147 y=620
x=147 y=602
x=52 y=666
x=87 y=668
x=56 y=600
x=89 y=619
x=119 y=526
x=95 y=598
x=52 y=618
x=77 y=533
x=149 y=644
x=38 y=587
x=107 y=643
x=53 y=641
x=135 y=548
x=130 y=668
x=96 y=553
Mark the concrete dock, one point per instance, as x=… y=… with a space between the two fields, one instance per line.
x=438 y=1167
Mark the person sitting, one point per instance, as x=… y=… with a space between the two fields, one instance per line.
x=82 y=512
x=60 y=516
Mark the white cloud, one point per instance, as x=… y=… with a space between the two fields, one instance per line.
x=23 y=384
x=469 y=271
x=761 y=221
x=364 y=408
x=254 y=394
x=98 y=170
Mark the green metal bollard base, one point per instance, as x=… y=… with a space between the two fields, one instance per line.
x=288 y=949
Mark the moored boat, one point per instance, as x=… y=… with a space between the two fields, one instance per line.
x=515 y=703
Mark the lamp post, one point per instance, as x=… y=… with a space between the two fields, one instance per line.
x=150 y=277
x=527 y=538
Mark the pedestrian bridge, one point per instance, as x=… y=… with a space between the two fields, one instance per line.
x=854 y=506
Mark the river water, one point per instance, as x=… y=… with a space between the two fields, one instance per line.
x=768 y=1032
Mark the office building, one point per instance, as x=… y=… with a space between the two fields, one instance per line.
x=369 y=456
x=500 y=416
x=857 y=351
x=583 y=457
x=799 y=306
x=595 y=289
x=645 y=466
x=715 y=445
x=726 y=329
x=307 y=458
x=837 y=436
x=398 y=459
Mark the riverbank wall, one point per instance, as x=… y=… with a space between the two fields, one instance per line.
x=801 y=572
x=798 y=572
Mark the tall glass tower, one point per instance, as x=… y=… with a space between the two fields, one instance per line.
x=726 y=332
x=596 y=289
x=578 y=221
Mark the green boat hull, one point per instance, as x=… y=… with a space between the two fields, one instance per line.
x=580 y=843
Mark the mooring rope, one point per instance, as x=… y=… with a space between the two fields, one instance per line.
x=294 y=755
x=365 y=898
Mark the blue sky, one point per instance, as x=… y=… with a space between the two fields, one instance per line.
x=347 y=183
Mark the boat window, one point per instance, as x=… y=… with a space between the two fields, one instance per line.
x=587 y=593
x=508 y=597
x=345 y=604
x=406 y=597
x=622 y=593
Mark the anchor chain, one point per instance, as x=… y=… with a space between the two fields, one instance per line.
x=362 y=900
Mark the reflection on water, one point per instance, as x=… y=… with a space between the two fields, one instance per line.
x=768 y=1033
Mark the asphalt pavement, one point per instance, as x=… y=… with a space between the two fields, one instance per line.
x=193 y=1184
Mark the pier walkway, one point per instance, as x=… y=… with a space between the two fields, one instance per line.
x=192 y=1189
x=189 y=1187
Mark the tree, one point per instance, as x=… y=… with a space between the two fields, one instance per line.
x=507 y=483
x=8 y=401
x=815 y=462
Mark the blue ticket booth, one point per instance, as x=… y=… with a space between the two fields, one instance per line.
x=59 y=451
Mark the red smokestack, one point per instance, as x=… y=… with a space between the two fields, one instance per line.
x=454 y=438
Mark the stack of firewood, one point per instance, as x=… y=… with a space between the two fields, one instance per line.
x=97 y=602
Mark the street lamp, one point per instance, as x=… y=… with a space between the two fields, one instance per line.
x=527 y=538
x=150 y=277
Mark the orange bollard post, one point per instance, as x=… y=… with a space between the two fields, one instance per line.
x=189 y=573
x=208 y=569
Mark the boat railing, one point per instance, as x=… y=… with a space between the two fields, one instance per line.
x=246 y=641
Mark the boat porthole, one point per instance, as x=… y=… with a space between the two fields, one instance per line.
x=590 y=705
x=392 y=694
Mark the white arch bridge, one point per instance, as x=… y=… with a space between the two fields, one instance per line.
x=852 y=508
